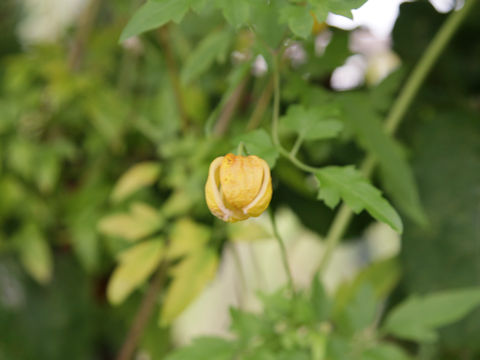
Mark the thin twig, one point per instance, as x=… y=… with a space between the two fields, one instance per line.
x=143 y=314
x=84 y=28
x=229 y=109
x=261 y=107
x=164 y=39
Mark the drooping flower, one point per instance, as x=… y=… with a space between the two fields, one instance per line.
x=238 y=187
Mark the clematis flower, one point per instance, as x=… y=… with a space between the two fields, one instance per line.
x=238 y=187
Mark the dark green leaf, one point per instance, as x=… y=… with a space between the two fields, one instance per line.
x=212 y=47
x=349 y=184
x=385 y=352
x=397 y=176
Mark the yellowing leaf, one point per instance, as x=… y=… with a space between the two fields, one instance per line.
x=35 y=254
x=187 y=237
x=135 y=266
x=135 y=178
x=189 y=279
x=142 y=221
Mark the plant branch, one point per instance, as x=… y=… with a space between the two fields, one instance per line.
x=143 y=314
x=229 y=109
x=164 y=40
x=396 y=114
x=261 y=107
x=296 y=146
x=84 y=28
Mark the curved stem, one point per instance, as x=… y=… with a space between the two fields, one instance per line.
x=398 y=110
x=283 y=251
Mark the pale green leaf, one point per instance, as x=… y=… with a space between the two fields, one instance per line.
x=259 y=143
x=313 y=123
x=214 y=46
x=385 y=352
x=153 y=14
x=418 y=318
x=187 y=237
x=35 y=254
x=357 y=192
x=141 y=221
x=189 y=279
x=137 y=177
x=135 y=266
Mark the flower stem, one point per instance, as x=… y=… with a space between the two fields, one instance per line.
x=283 y=251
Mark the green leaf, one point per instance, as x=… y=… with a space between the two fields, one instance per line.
x=382 y=276
x=321 y=8
x=349 y=184
x=359 y=312
x=214 y=46
x=237 y=12
x=397 y=175
x=137 y=177
x=247 y=325
x=143 y=220
x=135 y=266
x=35 y=254
x=385 y=352
x=259 y=143
x=298 y=18
x=320 y=301
x=189 y=279
x=206 y=348
x=265 y=22
x=313 y=123
x=153 y=14
x=417 y=318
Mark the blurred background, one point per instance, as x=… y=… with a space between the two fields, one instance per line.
x=95 y=153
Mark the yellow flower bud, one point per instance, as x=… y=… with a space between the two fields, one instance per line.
x=238 y=187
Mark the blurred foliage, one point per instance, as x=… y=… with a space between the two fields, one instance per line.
x=105 y=148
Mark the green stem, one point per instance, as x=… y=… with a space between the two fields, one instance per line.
x=296 y=146
x=396 y=114
x=241 y=149
x=283 y=252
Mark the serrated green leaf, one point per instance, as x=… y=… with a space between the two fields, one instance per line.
x=265 y=22
x=135 y=266
x=189 y=279
x=397 y=175
x=298 y=18
x=137 y=177
x=237 y=12
x=214 y=46
x=418 y=318
x=206 y=348
x=141 y=221
x=357 y=192
x=313 y=123
x=153 y=14
x=259 y=143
